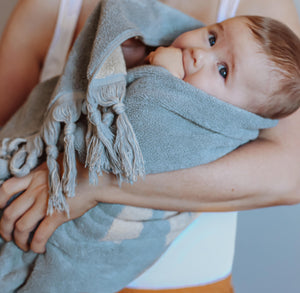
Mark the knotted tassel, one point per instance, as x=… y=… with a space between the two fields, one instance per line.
x=4 y=172
x=9 y=146
x=103 y=92
x=68 y=112
x=26 y=158
x=99 y=143
x=124 y=155
x=7 y=150
x=69 y=162
x=96 y=159
x=51 y=131
x=127 y=147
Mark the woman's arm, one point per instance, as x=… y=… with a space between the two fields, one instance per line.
x=262 y=173
x=23 y=47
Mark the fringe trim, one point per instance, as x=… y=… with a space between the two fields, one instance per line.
x=26 y=158
x=67 y=112
x=99 y=139
x=69 y=161
x=51 y=131
x=111 y=135
x=9 y=146
x=111 y=144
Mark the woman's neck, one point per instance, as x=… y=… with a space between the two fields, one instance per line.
x=203 y=10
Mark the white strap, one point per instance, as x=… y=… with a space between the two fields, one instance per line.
x=227 y=9
x=69 y=11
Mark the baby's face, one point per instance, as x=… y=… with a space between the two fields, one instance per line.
x=224 y=60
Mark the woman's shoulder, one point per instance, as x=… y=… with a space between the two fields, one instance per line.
x=203 y=10
x=32 y=24
x=284 y=11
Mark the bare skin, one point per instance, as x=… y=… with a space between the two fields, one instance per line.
x=262 y=173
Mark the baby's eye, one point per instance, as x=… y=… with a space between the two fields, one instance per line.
x=212 y=39
x=223 y=70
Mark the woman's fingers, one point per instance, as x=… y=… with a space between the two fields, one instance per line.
x=78 y=206
x=12 y=187
x=28 y=222
x=13 y=212
x=44 y=231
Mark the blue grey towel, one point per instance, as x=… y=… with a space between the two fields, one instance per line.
x=143 y=121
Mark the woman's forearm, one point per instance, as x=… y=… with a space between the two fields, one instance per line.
x=265 y=172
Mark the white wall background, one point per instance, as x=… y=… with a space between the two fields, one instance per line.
x=267 y=258
x=268 y=241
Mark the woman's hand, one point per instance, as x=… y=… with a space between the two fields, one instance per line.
x=23 y=214
x=29 y=210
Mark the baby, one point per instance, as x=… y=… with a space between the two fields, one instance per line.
x=251 y=62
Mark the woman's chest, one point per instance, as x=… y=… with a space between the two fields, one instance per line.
x=205 y=11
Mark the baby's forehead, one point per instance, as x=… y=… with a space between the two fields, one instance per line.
x=262 y=81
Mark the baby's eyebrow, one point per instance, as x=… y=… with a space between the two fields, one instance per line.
x=232 y=63
x=220 y=26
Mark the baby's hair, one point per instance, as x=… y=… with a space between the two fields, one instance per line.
x=282 y=47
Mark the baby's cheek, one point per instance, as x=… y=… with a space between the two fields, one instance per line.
x=196 y=81
x=204 y=83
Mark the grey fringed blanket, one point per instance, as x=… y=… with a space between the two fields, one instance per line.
x=146 y=121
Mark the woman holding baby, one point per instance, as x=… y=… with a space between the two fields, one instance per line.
x=262 y=173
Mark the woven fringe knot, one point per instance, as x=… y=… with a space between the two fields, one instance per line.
x=9 y=146
x=119 y=108
x=70 y=129
x=18 y=164
x=52 y=151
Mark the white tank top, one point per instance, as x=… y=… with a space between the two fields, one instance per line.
x=227 y=9
x=202 y=253
x=68 y=14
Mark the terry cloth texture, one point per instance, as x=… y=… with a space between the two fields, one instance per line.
x=143 y=121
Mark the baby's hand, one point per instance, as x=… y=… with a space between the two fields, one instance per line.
x=168 y=57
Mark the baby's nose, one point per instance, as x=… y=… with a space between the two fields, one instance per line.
x=201 y=56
